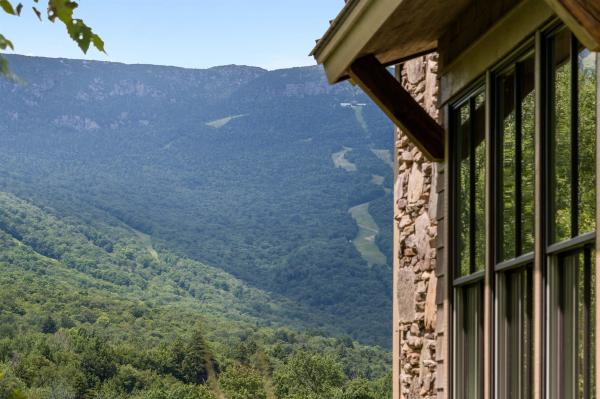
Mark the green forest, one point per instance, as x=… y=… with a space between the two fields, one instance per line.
x=140 y=326
x=174 y=233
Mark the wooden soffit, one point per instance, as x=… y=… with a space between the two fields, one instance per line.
x=392 y=30
x=582 y=17
x=397 y=30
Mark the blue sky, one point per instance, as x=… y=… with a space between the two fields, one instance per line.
x=189 y=33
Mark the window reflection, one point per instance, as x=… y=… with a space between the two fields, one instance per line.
x=470 y=135
x=479 y=176
x=561 y=133
x=516 y=158
x=507 y=177
x=464 y=192
x=586 y=81
x=527 y=176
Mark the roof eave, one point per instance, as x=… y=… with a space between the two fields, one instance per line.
x=583 y=19
x=333 y=27
x=349 y=34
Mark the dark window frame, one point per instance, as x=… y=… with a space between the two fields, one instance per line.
x=555 y=250
x=462 y=284
x=503 y=267
x=545 y=250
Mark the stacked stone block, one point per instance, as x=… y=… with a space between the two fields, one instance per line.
x=417 y=218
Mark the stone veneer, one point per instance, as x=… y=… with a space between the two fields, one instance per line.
x=418 y=193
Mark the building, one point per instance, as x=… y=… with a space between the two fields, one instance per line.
x=495 y=197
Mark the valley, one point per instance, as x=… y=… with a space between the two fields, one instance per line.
x=138 y=201
x=367 y=232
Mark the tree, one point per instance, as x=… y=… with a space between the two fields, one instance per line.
x=9 y=387
x=175 y=391
x=97 y=360
x=241 y=382
x=307 y=375
x=196 y=358
x=49 y=325
x=359 y=388
x=61 y=10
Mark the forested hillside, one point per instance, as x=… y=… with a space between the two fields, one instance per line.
x=85 y=316
x=141 y=205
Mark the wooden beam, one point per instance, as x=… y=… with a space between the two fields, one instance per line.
x=374 y=79
x=582 y=17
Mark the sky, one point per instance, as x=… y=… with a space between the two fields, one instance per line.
x=271 y=34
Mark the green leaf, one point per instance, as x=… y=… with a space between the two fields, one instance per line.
x=77 y=29
x=37 y=12
x=7 y=7
x=80 y=33
x=98 y=42
x=19 y=8
x=61 y=9
x=5 y=43
x=6 y=73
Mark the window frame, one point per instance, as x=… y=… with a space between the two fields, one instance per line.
x=538 y=261
x=502 y=267
x=460 y=284
x=555 y=250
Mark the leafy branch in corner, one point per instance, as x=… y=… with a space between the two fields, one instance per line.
x=61 y=10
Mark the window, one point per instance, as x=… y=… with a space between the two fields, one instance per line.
x=514 y=184
x=571 y=185
x=572 y=332
x=514 y=351
x=572 y=123
x=469 y=341
x=516 y=158
x=541 y=117
x=469 y=123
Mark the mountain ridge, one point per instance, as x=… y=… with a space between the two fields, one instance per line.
x=259 y=197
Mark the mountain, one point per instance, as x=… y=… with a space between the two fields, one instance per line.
x=260 y=196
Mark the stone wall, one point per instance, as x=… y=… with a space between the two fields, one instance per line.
x=418 y=314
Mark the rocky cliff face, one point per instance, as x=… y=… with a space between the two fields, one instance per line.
x=418 y=331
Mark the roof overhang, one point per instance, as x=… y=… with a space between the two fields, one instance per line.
x=398 y=30
x=582 y=17
x=392 y=30
x=369 y=35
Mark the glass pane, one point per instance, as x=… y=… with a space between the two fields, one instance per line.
x=587 y=140
x=585 y=323
x=507 y=162
x=515 y=351
x=572 y=332
x=464 y=190
x=561 y=124
x=568 y=330
x=581 y=323
x=479 y=176
x=592 y=318
x=469 y=342
x=527 y=100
